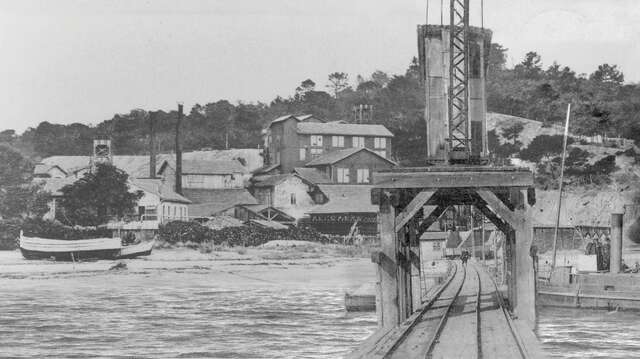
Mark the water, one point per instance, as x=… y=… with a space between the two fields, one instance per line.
x=574 y=333
x=176 y=315
x=195 y=312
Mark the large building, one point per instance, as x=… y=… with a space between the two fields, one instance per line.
x=294 y=141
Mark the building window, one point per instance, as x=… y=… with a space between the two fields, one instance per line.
x=381 y=153
x=303 y=154
x=343 y=175
x=379 y=142
x=315 y=152
x=337 y=141
x=363 y=175
x=357 y=141
x=436 y=246
x=316 y=140
x=293 y=198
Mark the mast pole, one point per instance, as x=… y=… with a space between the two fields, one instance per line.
x=564 y=151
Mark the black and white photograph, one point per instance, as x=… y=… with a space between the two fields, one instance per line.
x=357 y=179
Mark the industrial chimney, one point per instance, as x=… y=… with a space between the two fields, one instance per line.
x=178 y=152
x=152 y=149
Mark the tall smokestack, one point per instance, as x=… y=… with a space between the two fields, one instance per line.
x=178 y=152
x=152 y=142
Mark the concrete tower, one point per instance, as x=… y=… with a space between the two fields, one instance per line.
x=456 y=131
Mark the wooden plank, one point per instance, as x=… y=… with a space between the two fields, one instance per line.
x=432 y=213
x=500 y=208
x=497 y=221
x=435 y=180
x=389 y=311
x=413 y=208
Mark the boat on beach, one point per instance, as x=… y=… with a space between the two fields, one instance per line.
x=82 y=249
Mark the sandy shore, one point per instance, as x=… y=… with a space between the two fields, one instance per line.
x=272 y=266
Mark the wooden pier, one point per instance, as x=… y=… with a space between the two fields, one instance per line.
x=465 y=318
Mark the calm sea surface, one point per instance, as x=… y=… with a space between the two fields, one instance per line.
x=573 y=333
x=175 y=316
x=189 y=315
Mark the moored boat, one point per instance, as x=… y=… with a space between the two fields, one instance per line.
x=69 y=250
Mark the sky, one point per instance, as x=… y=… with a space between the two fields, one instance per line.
x=68 y=61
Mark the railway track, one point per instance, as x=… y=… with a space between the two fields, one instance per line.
x=465 y=319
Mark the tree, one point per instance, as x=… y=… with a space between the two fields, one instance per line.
x=97 y=197
x=607 y=74
x=15 y=169
x=25 y=200
x=530 y=67
x=512 y=132
x=7 y=136
x=380 y=78
x=543 y=147
x=305 y=86
x=338 y=82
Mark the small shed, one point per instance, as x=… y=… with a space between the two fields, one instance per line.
x=433 y=245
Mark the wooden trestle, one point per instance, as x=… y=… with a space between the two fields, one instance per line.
x=412 y=199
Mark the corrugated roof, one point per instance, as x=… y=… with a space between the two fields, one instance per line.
x=250 y=158
x=218 y=167
x=312 y=175
x=346 y=199
x=208 y=202
x=271 y=180
x=335 y=156
x=349 y=129
x=159 y=188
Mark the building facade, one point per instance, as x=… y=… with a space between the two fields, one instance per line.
x=293 y=141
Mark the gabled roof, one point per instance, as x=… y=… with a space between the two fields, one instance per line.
x=219 y=167
x=348 y=129
x=54 y=185
x=434 y=236
x=267 y=169
x=272 y=180
x=312 y=175
x=208 y=202
x=299 y=118
x=160 y=188
x=332 y=157
x=43 y=169
x=264 y=211
x=346 y=199
x=134 y=166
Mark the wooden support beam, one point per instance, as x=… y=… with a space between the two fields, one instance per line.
x=499 y=208
x=497 y=221
x=452 y=179
x=387 y=288
x=431 y=213
x=413 y=208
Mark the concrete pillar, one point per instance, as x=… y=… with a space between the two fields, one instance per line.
x=616 y=243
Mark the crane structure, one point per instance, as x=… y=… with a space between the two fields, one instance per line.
x=459 y=127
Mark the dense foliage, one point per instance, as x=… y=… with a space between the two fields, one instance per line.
x=178 y=231
x=97 y=197
x=19 y=197
x=56 y=230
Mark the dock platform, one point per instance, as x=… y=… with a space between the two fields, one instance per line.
x=465 y=318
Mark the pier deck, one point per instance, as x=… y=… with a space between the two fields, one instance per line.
x=464 y=319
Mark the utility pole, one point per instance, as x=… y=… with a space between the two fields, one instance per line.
x=484 y=261
x=564 y=151
x=178 y=151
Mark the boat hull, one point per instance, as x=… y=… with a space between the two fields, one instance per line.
x=136 y=250
x=71 y=255
x=70 y=250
